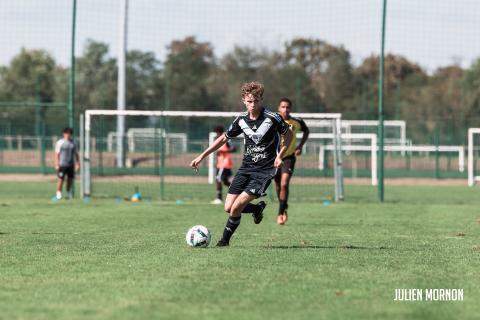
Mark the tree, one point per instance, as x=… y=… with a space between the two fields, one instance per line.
x=187 y=69
x=29 y=77
x=471 y=91
x=96 y=78
x=236 y=67
x=329 y=69
x=404 y=81
x=144 y=84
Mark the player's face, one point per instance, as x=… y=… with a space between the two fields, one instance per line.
x=252 y=103
x=284 y=109
x=67 y=136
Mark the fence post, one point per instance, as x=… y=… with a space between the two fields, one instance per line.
x=381 y=115
x=162 y=157
x=42 y=140
x=437 y=153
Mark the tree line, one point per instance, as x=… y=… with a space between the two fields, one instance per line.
x=316 y=75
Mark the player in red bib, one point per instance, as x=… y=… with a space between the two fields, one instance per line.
x=224 y=166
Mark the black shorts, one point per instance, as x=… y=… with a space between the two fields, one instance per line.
x=66 y=171
x=223 y=174
x=288 y=165
x=255 y=183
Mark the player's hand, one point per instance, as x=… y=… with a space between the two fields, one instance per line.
x=77 y=167
x=56 y=168
x=298 y=151
x=195 y=163
x=278 y=162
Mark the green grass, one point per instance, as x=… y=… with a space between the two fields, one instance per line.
x=108 y=260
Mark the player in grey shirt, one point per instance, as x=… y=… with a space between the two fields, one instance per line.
x=66 y=162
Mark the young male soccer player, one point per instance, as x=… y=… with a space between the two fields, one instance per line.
x=282 y=178
x=224 y=166
x=262 y=129
x=66 y=162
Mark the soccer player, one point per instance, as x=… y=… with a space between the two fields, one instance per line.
x=224 y=166
x=262 y=156
x=66 y=162
x=282 y=178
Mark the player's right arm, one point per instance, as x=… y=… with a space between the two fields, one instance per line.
x=220 y=141
x=56 y=157
x=233 y=131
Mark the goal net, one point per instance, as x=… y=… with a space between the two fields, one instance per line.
x=152 y=156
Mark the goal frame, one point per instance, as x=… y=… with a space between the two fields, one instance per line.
x=472 y=179
x=351 y=136
x=348 y=125
x=86 y=137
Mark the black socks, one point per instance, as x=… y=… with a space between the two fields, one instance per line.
x=230 y=227
x=282 y=207
x=251 y=208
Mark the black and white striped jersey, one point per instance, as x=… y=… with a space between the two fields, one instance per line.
x=262 y=138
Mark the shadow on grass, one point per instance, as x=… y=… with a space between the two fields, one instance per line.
x=326 y=247
x=52 y=233
x=5 y=233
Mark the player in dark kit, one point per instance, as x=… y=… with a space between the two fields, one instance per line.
x=262 y=157
x=282 y=179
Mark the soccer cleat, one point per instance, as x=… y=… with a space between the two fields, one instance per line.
x=217 y=201
x=222 y=243
x=58 y=195
x=258 y=217
x=280 y=219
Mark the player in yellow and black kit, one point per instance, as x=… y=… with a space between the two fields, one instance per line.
x=282 y=178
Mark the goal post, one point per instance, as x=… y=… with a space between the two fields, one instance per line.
x=371 y=147
x=146 y=142
x=396 y=127
x=335 y=122
x=472 y=178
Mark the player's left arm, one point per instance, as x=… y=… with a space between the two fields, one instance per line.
x=288 y=139
x=287 y=133
x=56 y=159
x=306 y=132
x=283 y=129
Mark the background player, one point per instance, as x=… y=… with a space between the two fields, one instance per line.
x=282 y=178
x=66 y=162
x=262 y=129
x=224 y=165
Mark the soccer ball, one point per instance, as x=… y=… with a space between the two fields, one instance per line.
x=198 y=237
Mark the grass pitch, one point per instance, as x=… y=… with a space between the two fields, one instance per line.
x=108 y=260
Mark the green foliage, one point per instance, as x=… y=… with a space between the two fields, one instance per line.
x=96 y=77
x=471 y=82
x=186 y=71
x=31 y=73
x=318 y=76
x=30 y=77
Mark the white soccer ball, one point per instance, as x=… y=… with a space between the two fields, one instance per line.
x=198 y=237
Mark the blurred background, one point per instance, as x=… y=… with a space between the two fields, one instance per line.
x=194 y=55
